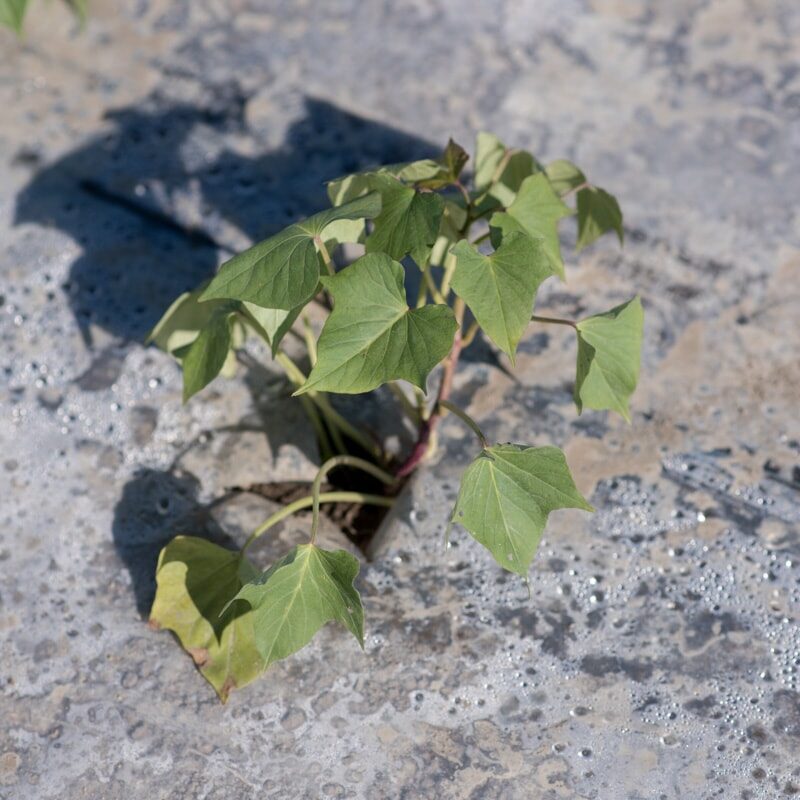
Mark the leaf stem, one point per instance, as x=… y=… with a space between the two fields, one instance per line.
x=435 y=293
x=326 y=256
x=554 y=321
x=311 y=342
x=331 y=415
x=332 y=463
x=307 y=502
x=426 y=430
x=466 y=418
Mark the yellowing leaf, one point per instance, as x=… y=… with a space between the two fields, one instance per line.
x=196 y=582
x=609 y=347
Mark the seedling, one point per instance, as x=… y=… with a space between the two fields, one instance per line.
x=479 y=249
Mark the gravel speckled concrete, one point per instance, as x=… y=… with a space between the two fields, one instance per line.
x=659 y=654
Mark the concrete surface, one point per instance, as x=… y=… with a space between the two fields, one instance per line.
x=658 y=656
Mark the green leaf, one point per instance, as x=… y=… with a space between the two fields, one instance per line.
x=598 y=213
x=536 y=210
x=506 y=495
x=609 y=353
x=372 y=336
x=500 y=189
x=349 y=187
x=272 y=324
x=12 y=13
x=489 y=152
x=564 y=176
x=450 y=227
x=454 y=159
x=204 y=359
x=449 y=167
x=500 y=288
x=283 y=271
x=195 y=584
x=182 y=321
x=408 y=222
x=293 y=599
x=342 y=231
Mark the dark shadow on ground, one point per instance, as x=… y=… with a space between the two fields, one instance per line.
x=155 y=506
x=127 y=197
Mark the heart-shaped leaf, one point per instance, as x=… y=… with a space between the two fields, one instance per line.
x=196 y=582
x=609 y=353
x=293 y=599
x=283 y=271
x=506 y=495
x=598 y=213
x=564 y=176
x=372 y=336
x=408 y=222
x=500 y=288
x=536 y=210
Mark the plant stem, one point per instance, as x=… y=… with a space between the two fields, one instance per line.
x=311 y=342
x=341 y=461
x=438 y=296
x=554 y=321
x=331 y=415
x=326 y=256
x=470 y=335
x=307 y=502
x=466 y=418
x=420 y=448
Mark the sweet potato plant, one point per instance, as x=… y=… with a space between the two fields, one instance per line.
x=479 y=247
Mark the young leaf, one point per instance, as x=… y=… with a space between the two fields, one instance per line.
x=450 y=165
x=536 y=210
x=283 y=271
x=372 y=336
x=506 y=495
x=500 y=288
x=12 y=13
x=293 y=599
x=195 y=581
x=564 y=176
x=349 y=187
x=501 y=189
x=408 y=222
x=609 y=348
x=598 y=212
x=205 y=357
x=454 y=159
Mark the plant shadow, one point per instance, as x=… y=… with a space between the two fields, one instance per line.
x=128 y=197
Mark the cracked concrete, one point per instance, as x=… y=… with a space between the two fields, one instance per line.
x=658 y=656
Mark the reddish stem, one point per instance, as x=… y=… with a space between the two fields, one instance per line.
x=426 y=429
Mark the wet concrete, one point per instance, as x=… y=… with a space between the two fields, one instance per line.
x=658 y=656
